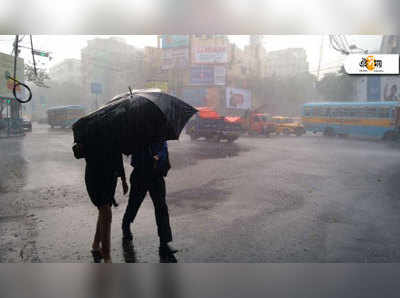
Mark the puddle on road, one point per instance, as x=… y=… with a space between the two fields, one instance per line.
x=202 y=198
x=203 y=150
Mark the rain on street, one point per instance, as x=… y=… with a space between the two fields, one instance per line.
x=277 y=199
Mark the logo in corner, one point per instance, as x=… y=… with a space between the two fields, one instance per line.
x=370 y=63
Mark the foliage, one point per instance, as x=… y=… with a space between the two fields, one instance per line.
x=337 y=87
x=39 y=78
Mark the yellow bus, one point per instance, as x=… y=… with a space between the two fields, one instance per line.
x=64 y=116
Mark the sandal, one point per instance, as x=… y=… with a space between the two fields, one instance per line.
x=97 y=256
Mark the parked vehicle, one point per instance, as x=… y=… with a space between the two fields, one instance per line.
x=370 y=119
x=208 y=124
x=64 y=116
x=288 y=125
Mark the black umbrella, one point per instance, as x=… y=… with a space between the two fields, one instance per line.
x=130 y=120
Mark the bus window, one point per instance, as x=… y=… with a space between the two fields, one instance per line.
x=307 y=112
x=385 y=113
x=335 y=112
x=328 y=112
x=340 y=112
x=370 y=113
x=322 y=112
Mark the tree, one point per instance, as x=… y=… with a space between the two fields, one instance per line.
x=337 y=86
x=39 y=78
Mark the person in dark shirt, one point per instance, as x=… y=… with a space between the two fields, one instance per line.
x=102 y=171
x=151 y=164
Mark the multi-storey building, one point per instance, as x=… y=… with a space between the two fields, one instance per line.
x=68 y=70
x=113 y=64
x=285 y=63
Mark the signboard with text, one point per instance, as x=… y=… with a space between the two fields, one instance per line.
x=207 y=75
x=6 y=70
x=210 y=55
x=174 y=41
x=175 y=58
x=96 y=88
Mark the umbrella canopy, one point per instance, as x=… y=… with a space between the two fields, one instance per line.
x=131 y=120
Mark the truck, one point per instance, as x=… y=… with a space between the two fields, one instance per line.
x=255 y=123
x=208 y=124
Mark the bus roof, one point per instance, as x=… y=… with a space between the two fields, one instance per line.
x=354 y=103
x=71 y=107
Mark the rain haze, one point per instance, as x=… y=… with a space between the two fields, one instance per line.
x=276 y=154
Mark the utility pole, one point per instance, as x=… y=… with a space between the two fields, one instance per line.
x=14 y=104
x=320 y=56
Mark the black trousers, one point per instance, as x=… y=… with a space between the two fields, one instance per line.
x=140 y=185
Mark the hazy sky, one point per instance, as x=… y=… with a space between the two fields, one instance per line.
x=69 y=46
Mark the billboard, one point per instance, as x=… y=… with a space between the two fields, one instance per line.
x=158 y=85
x=7 y=69
x=202 y=97
x=174 y=41
x=175 y=57
x=207 y=75
x=238 y=98
x=390 y=88
x=209 y=54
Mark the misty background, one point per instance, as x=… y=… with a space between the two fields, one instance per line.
x=275 y=73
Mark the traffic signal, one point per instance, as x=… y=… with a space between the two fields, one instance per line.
x=41 y=53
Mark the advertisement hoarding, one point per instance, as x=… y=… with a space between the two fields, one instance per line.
x=202 y=97
x=157 y=85
x=219 y=75
x=175 y=58
x=210 y=54
x=174 y=41
x=202 y=75
x=238 y=98
x=207 y=75
x=390 y=88
x=7 y=69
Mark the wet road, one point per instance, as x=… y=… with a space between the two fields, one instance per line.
x=279 y=199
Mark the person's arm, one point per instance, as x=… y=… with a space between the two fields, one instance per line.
x=162 y=154
x=121 y=173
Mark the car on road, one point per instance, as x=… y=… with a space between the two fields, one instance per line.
x=288 y=125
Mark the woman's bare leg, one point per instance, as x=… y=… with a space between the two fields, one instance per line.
x=96 y=241
x=105 y=232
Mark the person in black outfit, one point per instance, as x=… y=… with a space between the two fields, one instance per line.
x=102 y=171
x=151 y=164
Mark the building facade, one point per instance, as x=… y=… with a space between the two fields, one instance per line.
x=113 y=65
x=285 y=63
x=68 y=70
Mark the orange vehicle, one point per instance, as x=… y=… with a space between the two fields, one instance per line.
x=258 y=123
